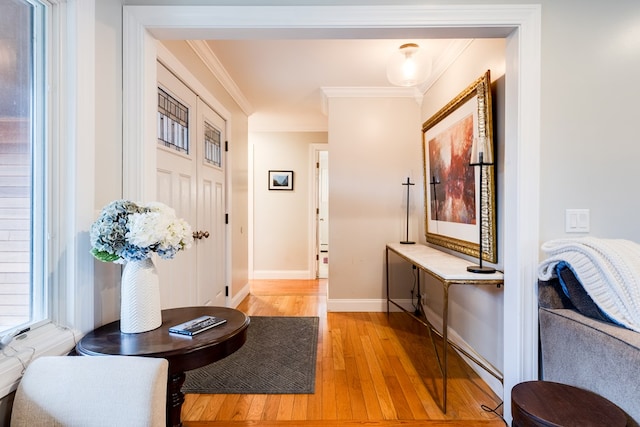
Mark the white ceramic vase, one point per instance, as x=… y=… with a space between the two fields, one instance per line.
x=140 y=297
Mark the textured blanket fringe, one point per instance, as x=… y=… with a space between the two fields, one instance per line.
x=609 y=270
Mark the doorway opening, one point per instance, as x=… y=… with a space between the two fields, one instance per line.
x=322 y=214
x=521 y=24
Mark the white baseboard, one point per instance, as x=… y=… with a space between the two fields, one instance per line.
x=493 y=382
x=239 y=296
x=283 y=274
x=364 y=305
x=356 y=305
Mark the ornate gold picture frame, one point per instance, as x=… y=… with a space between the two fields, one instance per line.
x=453 y=215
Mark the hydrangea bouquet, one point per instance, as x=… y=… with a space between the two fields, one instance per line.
x=126 y=231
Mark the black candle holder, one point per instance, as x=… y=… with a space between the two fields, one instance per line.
x=407 y=241
x=480 y=268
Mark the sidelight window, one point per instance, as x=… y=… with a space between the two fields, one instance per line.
x=23 y=201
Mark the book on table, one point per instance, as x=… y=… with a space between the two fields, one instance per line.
x=197 y=325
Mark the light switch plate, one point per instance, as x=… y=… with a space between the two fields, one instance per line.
x=577 y=221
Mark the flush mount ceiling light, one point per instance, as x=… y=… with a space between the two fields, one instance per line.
x=408 y=66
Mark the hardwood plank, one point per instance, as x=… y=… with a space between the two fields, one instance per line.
x=225 y=408
x=337 y=351
x=257 y=407
x=374 y=411
x=400 y=403
x=343 y=402
x=285 y=409
x=189 y=405
x=271 y=407
x=379 y=383
x=354 y=387
x=300 y=402
x=243 y=405
x=406 y=387
x=349 y=423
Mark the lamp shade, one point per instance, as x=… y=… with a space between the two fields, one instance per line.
x=481 y=153
x=408 y=66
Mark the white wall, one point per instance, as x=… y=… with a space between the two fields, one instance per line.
x=475 y=312
x=108 y=146
x=281 y=218
x=590 y=144
x=373 y=148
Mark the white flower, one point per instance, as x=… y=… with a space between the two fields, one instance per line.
x=126 y=231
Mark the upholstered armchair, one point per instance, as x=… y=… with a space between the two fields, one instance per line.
x=91 y=392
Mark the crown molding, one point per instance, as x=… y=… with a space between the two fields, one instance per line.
x=444 y=61
x=368 y=92
x=211 y=61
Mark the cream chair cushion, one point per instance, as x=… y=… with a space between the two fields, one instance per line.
x=92 y=392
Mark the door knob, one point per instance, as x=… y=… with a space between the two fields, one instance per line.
x=200 y=234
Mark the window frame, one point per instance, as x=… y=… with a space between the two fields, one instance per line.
x=39 y=311
x=40 y=167
x=68 y=127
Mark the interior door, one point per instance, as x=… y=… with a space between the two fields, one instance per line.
x=176 y=182
x=323 y=214
x=211 y=207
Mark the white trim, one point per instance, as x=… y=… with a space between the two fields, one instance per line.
x=235 y=301
x=284 y=274
x=521 y=23
x=77 y=162
x=204 y=52
x=71 y=186
x=138 y=81
x=312 y=227
x=368 y=92
x=357 y=305
x=521 y=176
x=312 y=207
x=451 y=54
x=284 y=126
x=46 y=340
x=250 y=204
x=211 y=22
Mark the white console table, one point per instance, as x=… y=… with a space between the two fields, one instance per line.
x=448 y=270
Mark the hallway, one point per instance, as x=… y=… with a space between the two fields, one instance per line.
x=371 y=369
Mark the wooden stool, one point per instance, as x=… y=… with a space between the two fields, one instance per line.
x=544 y=403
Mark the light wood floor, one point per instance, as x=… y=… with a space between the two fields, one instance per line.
x=372 y=369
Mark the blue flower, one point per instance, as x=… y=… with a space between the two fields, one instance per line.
x=125 y=231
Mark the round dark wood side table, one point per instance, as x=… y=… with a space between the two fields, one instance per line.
x=183 y=353
x=550 y=404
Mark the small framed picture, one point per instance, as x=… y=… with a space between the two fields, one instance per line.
x=281 y=180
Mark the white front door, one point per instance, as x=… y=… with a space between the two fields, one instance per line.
x=211 y=207
x=190 y=179
x=176 y=182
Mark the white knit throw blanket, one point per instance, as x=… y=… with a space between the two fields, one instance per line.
x=609 y=270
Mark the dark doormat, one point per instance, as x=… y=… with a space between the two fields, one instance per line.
x=279 y=357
